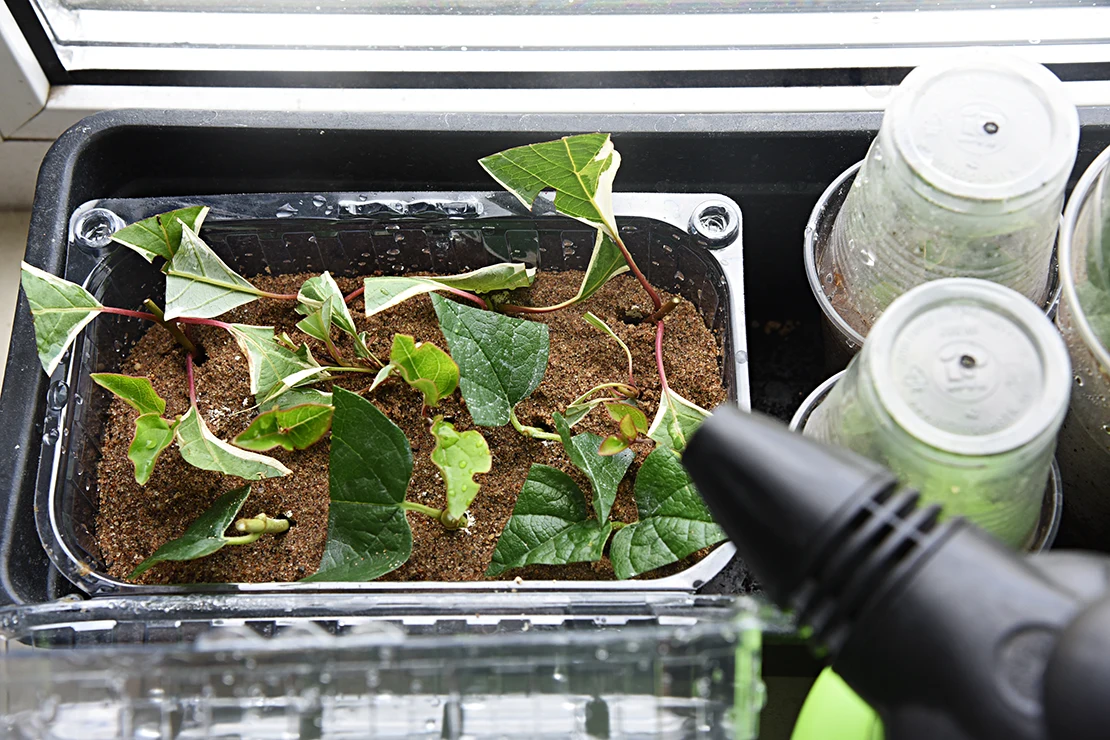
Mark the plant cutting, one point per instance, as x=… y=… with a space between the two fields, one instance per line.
x=403 y=451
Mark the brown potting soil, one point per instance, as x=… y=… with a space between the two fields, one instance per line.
x=133 y=520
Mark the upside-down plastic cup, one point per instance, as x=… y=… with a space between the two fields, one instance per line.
x=966 y=178
x=960 y=390
x=1084 y=321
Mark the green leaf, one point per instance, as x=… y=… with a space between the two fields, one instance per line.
x=606 y=262
x=160 y=236
x=318 y=323
x=315 y=293
x=459 y=458
x=604 y=471
x=301 y=396
x=577 y=412
x=675 y=421
x=198 y=283
x=382 y=376
x=636 y=421
x=294 y=428
x=271 y=364
x=549 y=525
x=674 y=520
x=153 y=435
x=204 y=536
x=580 y=169
x=501 y=359
x=425 y=367
x=137 y=393
x=60 y=309
x=604 y=328
x=203 y=450
x=612 y=445
x=385 y=292
x=371 y=464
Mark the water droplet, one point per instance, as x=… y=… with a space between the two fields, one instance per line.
x=601 y=654
x=150 y=444
x=568 y=251
x=558 y=677
x=393 y=252
x=429 y=724
x=1034 y=42
x=868 y=257
x=319 y=201
x=57 y=395
x=463 y=464
x=50 y=437
x=312 y=239
x=1106 y=428
x=668 y=248
x=679 y=276
x=228 y=678
x=1079 y=381
x=741 y=356
x=77 y=399
x=362 y=197
x=286 y=211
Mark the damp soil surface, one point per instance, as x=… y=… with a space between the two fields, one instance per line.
x=133 y=521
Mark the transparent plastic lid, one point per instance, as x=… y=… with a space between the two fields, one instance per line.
x=985 y=127
x=969 y=366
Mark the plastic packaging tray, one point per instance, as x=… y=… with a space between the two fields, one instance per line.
x=688 y=244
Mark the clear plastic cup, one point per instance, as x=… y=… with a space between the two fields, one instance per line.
x=960 y=390
x=966 y=178
x=1084 y=321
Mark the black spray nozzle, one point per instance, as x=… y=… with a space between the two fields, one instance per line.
x=778 y=495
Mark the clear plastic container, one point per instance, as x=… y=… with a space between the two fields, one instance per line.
x=357 y=234
x=349 y=667
x=966 y=178
x=960 y=390
x=1084 y=445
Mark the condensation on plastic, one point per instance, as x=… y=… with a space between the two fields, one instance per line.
x=346 y=666
x=1084 y=444
x=353 y=234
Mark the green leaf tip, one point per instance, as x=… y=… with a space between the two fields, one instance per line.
x=320 y=290
x=459 y=457
x=501 y=359
x=673 y=519
x=369 y=472
x=580 y=169
x=138 y=393
x=153 y=435
x=425 y=367
x=204 y=536
x=160 y=236
x=294 y=428
x=60 y=310
x=550 y=525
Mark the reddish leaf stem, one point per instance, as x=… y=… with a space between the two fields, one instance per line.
x=655 y=299
x=664 y=388
x=151 y=317
x=354 y=294
x=189 y=376
x=132 y=314
x=278 y=296
x=468 y=296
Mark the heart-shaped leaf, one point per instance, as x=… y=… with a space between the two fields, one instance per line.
x=271 y=364
x=675 y=422
x=605 y=472
x=674 y=520
x=138 y=393
x=580 y=169
x=60 y=310
x=160 y=236
x=549 y=525
x=153 y=435
x=204 y=536
x=425 y=367
x=459 y=458
x=295 y=428
x=385 y=292
x=200 y=285
x=371 y=464
x=200 y=448
x=315 y=292
x=501 y=359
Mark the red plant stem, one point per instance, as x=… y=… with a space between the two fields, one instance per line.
x=278 y=296
x=204 y=322
x=655 y=299
x=659 y=358
x=354 y=294
x=152 y=317
x=463 y=294
x=132 y=314
x=189 y=376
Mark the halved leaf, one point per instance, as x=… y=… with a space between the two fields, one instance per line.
x=60 y=310
x=580 y=169
x=674 y=521
x=271 y=364
x=675 y=421
x=501 y=359
x=385 y=292
x=459 y=458
x=294 y=428
x=604 y=471
x=200 y=285
x=606 y=262
x=371 y=463
x=549 y=525
x=315 y=293
x=203 y=450
x=425 y=367
x=137 y=393
x=153 y=435
x=204 y=536
x=159 y=236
